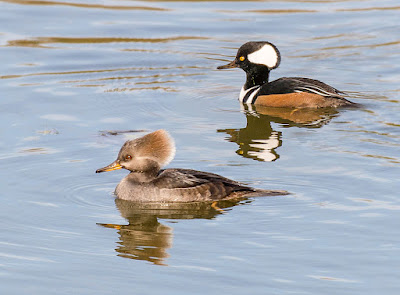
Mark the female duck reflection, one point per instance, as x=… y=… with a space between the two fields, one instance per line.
x=145 y=238
x=259 y=141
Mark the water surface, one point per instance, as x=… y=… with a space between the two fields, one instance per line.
x=78 y=78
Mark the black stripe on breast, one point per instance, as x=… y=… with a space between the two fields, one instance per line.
x=248 y=94
x=254 y=98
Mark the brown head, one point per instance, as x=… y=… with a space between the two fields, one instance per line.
x=146 y=154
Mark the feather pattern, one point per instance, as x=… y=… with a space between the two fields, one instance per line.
x=316 y=90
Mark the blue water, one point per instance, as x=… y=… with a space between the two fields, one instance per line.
x=77 y=79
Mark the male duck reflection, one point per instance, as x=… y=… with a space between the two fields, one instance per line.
x=257 y=59
x=147 y=182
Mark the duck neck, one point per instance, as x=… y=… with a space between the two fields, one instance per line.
x=256 y=77
x=142 y=176
x=145 y=173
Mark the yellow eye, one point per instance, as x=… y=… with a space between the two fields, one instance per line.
x=242 y=58
x=128 y=157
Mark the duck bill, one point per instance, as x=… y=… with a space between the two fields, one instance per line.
x=113 y=166
x=230 y=65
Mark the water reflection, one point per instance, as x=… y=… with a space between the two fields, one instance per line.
x=85 y=5
x=42 y=42
x=145 y=238
x=259 y=141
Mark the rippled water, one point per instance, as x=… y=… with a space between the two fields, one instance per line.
x=78 y=78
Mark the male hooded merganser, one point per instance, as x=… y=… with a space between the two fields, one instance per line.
x=257 y=59
x=147 y=182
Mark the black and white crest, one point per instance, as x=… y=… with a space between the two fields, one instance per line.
x=261 y=52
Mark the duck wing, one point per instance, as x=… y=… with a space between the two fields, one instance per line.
x=192 y=185
x=298 y=84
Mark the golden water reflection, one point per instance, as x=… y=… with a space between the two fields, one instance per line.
x=145 y=238
x=40 y=41
x=259 y=141
x=83 y=5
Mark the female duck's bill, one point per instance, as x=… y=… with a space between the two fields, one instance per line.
x=113 y=166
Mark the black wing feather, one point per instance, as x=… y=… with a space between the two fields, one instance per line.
x=298 y=84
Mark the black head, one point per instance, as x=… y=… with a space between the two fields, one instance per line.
x=255 y=54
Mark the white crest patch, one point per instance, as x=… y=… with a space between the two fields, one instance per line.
x=266 y=55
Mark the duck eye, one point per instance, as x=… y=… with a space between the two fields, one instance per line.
x=242 y=58
x=128 y=157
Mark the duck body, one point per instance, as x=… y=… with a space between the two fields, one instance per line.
x=257 y=59
x=294 y=92
x=184 y=185
x=147 y=182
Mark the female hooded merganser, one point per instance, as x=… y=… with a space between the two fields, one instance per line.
x=257 y=59
x=147 y=182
